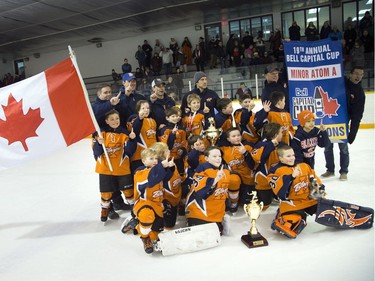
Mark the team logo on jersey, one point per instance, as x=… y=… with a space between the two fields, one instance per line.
x=345 y=216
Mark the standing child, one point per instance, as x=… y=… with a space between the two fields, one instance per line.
x=265 y=156
x=237 y=156
x=307 y=137
x=196 y=120
x=174 y=136
x=149 y=196
x=290 y=182
x=279 y=115
x=120 y=145
x=206 y=200
x=144 y=128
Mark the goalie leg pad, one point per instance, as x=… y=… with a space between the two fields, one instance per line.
x=289 y=225
x=188 y=239
x=343 y=215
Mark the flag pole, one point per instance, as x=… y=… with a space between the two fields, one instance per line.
x=86 y=94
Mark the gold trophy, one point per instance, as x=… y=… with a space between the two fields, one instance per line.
x=212 y=133
x=253 y=238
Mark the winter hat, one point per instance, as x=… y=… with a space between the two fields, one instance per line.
x=270 y=68
x=198 y=75
x=305 y=116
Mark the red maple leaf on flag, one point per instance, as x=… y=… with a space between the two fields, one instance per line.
x=18 y=126
x=330 y=105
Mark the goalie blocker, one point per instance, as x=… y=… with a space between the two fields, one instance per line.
x=343 y=215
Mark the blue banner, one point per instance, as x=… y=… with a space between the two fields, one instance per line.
x=316 y=83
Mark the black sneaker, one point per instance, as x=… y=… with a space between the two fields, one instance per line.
x=112 y=214
x=122 y=207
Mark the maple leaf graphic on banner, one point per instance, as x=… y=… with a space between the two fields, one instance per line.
x=330 y=105
x=18 y=126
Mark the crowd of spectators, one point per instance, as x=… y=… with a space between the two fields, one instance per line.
x=10 y=79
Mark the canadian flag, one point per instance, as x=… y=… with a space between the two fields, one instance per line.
x=42 y=114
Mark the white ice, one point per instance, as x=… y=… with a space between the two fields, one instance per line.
x=50 y=230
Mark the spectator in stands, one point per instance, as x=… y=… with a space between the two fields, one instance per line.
x=186 y=48
x=236 y=54
x=115 y=76
x=165 y=55
x=295 y=32
x=156 y=64
x=311 y=32
x=247 y=40
x=148 y=51
x=158 y=47
x=181 y=60
x=170 y=87
x=222 y=56
x=357 y=53
x=365 y=22
x=140 y=56
x=335 y=34
x=350 y=35
x=173 y=46
x=198 y=56
x=212 y=49
x=325 y=30
x=368 y=45
x=126 y=67
x=178 y=79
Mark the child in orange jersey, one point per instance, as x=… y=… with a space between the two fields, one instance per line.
x=237 y=156
x=120 y=145
x=196 y=120
x=144 y=128
x=279 y=115
x=265 y=156
x=290 y=182
x=172 y=187
x=205 y=202
x=149 y=196
x=174 y=136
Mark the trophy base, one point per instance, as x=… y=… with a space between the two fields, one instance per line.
x=254 y=241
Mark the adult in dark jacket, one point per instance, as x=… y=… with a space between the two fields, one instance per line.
x=295 y=31
x=356 y=105
x=159 y=102
x=128 y=97
x=273 y=84
x=208 y=97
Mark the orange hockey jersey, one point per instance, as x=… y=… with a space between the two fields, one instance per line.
x=148 y=188
x=119 y=148
x=172 y=187
x=145 y=130
x=175 y=142
x=195 y=122
x=294 y=192
x=239 y=163
x=285 y=120
x=205 y=201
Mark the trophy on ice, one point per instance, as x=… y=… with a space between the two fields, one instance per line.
x=212 y=133
x=253 y=238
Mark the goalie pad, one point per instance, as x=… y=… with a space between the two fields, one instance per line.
x=188 y=239
x=343 y=215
